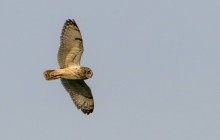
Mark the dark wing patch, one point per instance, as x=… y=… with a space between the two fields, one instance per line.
x=80 y=94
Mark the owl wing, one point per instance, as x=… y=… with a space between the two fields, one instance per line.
x=71 y=47
x=80 y=94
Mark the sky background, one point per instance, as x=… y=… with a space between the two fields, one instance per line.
x=155 y=62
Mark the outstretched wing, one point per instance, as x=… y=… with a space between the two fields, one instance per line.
x=80 y=94
x=71 y=47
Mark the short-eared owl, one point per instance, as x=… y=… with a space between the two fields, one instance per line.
x=72 y=75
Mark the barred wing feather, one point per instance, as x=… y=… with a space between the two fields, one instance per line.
x=71 y=47
x=80 y=94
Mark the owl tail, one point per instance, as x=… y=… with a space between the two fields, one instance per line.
x=51 y=75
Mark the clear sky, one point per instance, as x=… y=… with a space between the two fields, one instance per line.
x=155 y=62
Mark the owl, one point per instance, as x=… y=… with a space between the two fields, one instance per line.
x=71 y=73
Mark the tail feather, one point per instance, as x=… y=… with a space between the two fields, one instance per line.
x=51 y=75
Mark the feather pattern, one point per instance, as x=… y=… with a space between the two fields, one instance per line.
x=71 y=47
x=80 y=94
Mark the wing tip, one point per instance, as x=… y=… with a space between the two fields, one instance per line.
x=68 y=24
x=87 y=112
x=71 y=22
x=84 y=109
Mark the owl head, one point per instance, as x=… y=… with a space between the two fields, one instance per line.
x=88 y=72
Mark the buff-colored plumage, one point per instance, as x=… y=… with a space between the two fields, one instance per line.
x=72 y=75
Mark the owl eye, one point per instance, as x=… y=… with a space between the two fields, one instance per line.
x=87 y=72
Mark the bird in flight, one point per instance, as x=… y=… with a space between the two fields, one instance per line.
x=71 y=73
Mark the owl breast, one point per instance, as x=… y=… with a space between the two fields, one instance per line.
x=76 y=73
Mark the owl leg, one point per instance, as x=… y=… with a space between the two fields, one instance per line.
x=52 y=74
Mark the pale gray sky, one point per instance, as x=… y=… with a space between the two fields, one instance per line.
x=155 y=62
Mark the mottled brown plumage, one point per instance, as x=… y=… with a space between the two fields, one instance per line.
x=72 y=75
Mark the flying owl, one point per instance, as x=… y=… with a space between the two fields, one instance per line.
x=71 y=73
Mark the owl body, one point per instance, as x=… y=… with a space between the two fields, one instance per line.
x=74 y=73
